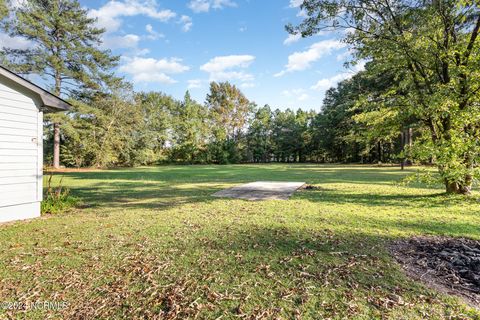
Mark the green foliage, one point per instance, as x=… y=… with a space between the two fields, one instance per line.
x=3 y=9
x=345 y=132
x=66 y=45
x=123 y=128
x=150 y=134
x=283 y=140
x=189 y=131
x=228 y=112
x=259 y=135
x=432 y=48
x=57 y=199
x=117 y=129
x=423 y=177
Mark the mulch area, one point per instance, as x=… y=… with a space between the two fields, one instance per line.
x=450 y=265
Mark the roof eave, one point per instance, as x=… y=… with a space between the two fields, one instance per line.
x=50 y=102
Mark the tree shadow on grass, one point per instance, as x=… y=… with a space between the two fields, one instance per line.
x=168 y=186
x=316 y=271
x=138 y=195
x=328 y=265
x=395 y=198
x=248 y=173
x=134 y=195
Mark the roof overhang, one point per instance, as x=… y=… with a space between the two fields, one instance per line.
x=45 y=100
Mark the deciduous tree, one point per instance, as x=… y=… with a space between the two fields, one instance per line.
x=434 y=44
x=229 y=110
x=259 y=135
x=190 y=130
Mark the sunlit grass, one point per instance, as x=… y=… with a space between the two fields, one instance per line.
x=152 y=241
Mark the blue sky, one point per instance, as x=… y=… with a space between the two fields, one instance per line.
x=175 y=45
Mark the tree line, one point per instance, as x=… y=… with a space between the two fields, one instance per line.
x=126 y=128
x=418 y=98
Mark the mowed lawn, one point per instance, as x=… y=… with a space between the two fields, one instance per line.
x=152 y=243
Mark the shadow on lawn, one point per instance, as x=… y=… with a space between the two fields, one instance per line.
x=163 y=196
x=249 y=173
x=398 y=199
x=143 y=196
x=167 y=186
x=312 y=258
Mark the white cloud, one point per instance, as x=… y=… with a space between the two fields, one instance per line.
x=109 y=15
x=327 y=83
x=14 y=42
x=194 y=84
x=153 y=77
x=303 y=97
x=219 y=4
x=222 y=63
x=199 y=6
x=187 y=23
x=247 y=85
x=344 y=55
x=302 y=14
x=229 y=68
x=153 y=70
x=302 y=60
x=295 y=3
x=152 y=34
x=241 y=76
x=298 y=94
x=140 y=52
x=292 y=38
x=116 y=42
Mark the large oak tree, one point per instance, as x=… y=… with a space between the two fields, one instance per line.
x=434 y=46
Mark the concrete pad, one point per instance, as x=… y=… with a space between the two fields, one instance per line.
x=261 y=190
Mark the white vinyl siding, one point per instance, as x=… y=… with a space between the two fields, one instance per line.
x=20 y=149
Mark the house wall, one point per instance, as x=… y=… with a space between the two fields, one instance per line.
x=21 y=157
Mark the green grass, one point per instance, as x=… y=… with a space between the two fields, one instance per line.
x=152 y=242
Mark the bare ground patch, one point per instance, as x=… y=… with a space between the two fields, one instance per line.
x=450 y=265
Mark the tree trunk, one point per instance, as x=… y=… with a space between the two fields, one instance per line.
x=467 y=188
x=56 y=145
x=56 y=126
x=452 y=187
x=409 y=142
x=402 y=145
x=457 y=188
x=410 y=137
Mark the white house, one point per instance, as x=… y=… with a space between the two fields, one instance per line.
x=22 y=105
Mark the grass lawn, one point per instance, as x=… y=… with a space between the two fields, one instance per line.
x=153 y=243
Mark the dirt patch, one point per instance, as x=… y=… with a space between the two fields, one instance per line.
x=450 y=265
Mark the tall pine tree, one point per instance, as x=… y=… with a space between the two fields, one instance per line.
x=64 y=52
